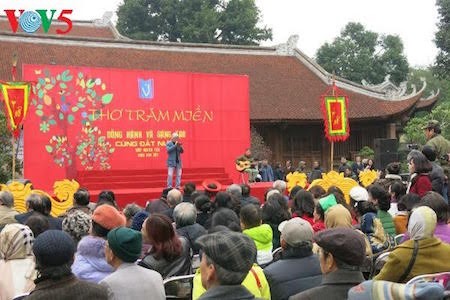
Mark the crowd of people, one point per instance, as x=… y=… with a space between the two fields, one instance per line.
x=303 y=244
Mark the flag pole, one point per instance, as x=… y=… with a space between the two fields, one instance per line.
x=13 y=74
x=333 y=91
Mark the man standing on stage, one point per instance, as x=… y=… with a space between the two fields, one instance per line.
x=248 y=158
x=174 y=150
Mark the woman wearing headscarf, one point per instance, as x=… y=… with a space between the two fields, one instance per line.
x=422 y=254
x=17 y=266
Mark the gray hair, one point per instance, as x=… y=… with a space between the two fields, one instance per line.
x=185 y=214
x=272 y=192
x=7 y=199
x=224 y=276
x=174 y=197
x=235 y=190
x=280 y=185
x=33 y=199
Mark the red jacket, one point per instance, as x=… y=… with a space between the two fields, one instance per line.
x=420 y=184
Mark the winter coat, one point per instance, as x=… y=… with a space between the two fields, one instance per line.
x=90 y=262
x=262 y=236
x=192 y=233
x=296 y=271
x=387 y=222
x=433 y=257
x=420 y=184
x=177 y=267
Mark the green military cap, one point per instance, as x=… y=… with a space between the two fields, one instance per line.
x=431 y=124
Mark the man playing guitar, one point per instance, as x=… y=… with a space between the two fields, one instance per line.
x=246 y=163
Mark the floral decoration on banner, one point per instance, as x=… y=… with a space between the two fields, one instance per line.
x=334 y=107
x=67 y=100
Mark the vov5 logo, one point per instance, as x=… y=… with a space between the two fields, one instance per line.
x=30 y=21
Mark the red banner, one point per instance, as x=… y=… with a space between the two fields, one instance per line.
x=334 y=109
x=84 y=118
x=15 y=95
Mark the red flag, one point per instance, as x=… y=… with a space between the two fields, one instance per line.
x=334 y=109
x=16 y=96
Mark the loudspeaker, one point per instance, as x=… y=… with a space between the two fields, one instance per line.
x=385 y=152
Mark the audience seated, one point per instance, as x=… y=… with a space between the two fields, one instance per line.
x=303 y=206
x=174 y=197
x=275 y=211
x=169 y=254
x=38 y=223
x=380 y=197
x=437 y=203
x=342 y=252
x=422 y=254
x=246 y=197
x=160 y=205
x=226 y=217
x=405 y=205
x=261 y=234
x=129 y=211
x=77 y=225
x=320 y=209
x=90 y=263
x=255 y=281
x=204 y=208
x=7 y=212
x=17 y=267
x=298 y=268
x=227 y=258
x=185 y=216
x=54 y=252
x=129 y=281
x=188 y=189
x=107 y=197
x=81 y=201
x=39 y=204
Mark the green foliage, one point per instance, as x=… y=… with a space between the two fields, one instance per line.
x=442 y=39
x=359 y=54
x=433 y=83
x=413 y=132
x=259 y=148
x=6 y=151
x=196 y=21
x=366 y=152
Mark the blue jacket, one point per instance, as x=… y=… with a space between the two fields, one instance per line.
x=266 y=174
x=173 y=151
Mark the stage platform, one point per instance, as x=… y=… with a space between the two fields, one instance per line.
x=140 y=186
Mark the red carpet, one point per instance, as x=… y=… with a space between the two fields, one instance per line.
x=140 y=186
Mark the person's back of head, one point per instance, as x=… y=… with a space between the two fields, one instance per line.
x=250 y=216
x=429 y=153
x=408 y=202
x=16 y=241
x=105 y=218
x=226 y=217
x=223 y=199
x=422 y=223
x=189 y=188
x=184 y=214
x=6 y=199
x=296 y=233
x=203 y=203
x=159 y=232
x=304 y=203
x=130 y=211
x=38 y=223
x=107 y=197
x=317 y=191
x=378 y=193
x=393 y=168
x=437 y=203
x=280 y=185
x=224 y=264
x=39 y=203
x=397 y=189
x=245 y=190
x=235 y=190
x=294 y=191
x=81 y=197
x=364 y=207
x=54 y=252
x=174 y=197
x=77 y=224
x=124 y=245
x=275 y=210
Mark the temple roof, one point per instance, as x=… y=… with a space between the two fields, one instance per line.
x=285 y=84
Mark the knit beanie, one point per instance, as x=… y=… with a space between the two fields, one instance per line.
x=108 y=217
x=53 y=248
x=138 y=220
x=125 y=243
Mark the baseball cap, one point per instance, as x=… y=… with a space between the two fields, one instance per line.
x=296 y=231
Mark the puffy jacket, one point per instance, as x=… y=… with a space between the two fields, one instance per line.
x=387 y=222
x=262 y=236
x=90 y=262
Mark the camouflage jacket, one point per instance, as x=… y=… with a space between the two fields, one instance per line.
x=442 y=147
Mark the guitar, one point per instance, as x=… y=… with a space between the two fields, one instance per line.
x=242 y=165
